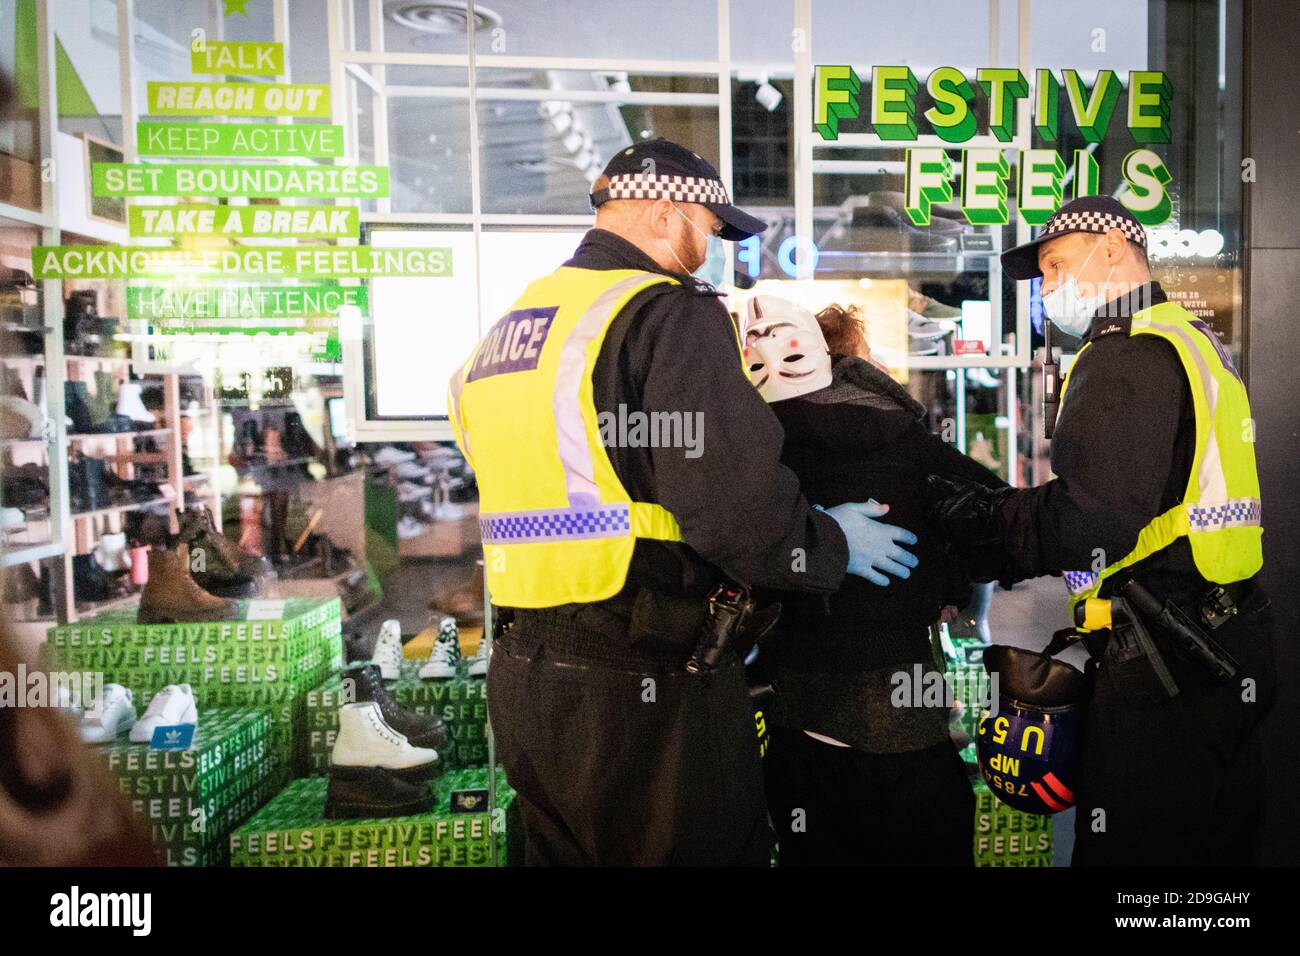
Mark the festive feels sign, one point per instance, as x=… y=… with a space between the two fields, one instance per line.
x=985 y=172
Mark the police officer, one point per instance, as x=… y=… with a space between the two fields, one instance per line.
x=626 y=469
x=1155 y=482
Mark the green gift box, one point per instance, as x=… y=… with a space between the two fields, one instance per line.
x=460 y=701
x=193 y=799
x=459 y=831
x=1005 y=836
x=269 y=655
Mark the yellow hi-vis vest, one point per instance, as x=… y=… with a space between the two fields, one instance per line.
x=558 y=526
x=1220 y=511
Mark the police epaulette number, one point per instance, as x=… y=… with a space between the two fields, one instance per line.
x=1111 y=327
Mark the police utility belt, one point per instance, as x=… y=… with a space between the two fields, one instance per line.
x=1127 y=632
x=698 y=634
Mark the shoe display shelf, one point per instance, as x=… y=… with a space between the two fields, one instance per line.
x=62 y=533
x=193 y=800
x=33 y=358
x=270 y=654
x=118 y=449
x=460 y=701
x=462 y=830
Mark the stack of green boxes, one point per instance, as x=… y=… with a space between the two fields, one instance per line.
x=270 y=661
x=967 y=681
x=1003 y=836
x=459 y=701
x=194 y=799
x=1008 y=837
x=291 y=830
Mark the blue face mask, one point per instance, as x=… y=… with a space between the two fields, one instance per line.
x=715 y=264
x=1069 y=308
x=713 y=269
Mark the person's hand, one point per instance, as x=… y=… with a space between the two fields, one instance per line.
x=874 y=548
x=966 y=510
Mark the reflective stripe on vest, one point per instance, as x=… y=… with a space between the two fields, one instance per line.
x=1220 y=511
x=557 y=524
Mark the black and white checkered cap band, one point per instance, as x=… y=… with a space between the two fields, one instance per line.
x=1098 y=222
x=676 y=188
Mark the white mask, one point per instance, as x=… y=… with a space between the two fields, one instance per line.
x=1069 y=309
x=709 y=243
x=785 y=353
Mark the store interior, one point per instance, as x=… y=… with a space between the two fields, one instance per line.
x=291 y=462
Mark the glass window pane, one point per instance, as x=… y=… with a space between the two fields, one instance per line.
x=683 y=29
x=428 y=139
x=20 y=182
x=421 y=330
x=542 y=157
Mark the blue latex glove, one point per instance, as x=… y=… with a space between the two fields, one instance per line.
x=874 y=547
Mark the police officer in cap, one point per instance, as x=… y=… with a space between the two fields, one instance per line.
x=630 y=492
x=1155 y=494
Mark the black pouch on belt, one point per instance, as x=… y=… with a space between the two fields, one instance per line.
x=666 y=625
x=1133 y=664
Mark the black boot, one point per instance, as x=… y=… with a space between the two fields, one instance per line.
x=47 y=599
x=420 y=730
x=89 y=579
x=76 y=406
x=87 y=484
x=81 y=323
x=20 y=584
x=370 y=792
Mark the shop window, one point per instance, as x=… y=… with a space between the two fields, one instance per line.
x=421 y=329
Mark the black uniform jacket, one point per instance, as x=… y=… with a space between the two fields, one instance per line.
x=742 y=514
x=1122 y=454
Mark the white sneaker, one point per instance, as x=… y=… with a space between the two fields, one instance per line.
x=441 y=454
x=112 y=553
x=11 y=519
x=412 y=471
x=410 y=491
x=448 y=511
x=388 y=455
x=919 y=327
x=108 y=715
x=131 y=405
x=478 y=664
x=366 y=740
x=444 y=660
x=388 y=650
x=174 y=704
x=410 y=527
x=69 y=699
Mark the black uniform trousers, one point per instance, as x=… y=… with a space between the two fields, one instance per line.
x=1178 y=783
x=619 y=759
x=838 y=806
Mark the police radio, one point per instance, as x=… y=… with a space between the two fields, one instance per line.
x=1051 y=382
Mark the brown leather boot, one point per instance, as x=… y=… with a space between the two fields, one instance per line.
x=172 y=595
x=227 y=569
